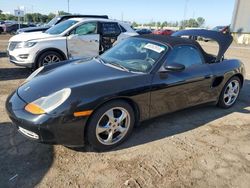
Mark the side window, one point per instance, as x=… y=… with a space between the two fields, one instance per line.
x=86 y=28
x=123 y=29
x=110 y=28
x=186 y=55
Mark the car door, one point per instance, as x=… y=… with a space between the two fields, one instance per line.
x=174 y=90
x=83 y=41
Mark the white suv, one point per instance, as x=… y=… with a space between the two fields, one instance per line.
x=71 y=39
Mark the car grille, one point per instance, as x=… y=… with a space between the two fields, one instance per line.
x=12 y=45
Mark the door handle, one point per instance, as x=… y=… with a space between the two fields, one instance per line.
x=94 y=41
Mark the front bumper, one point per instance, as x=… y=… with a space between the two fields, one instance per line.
x=22 y=57
x=65 y=129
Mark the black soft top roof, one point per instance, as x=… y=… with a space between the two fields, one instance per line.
x=224 y=40
x=169 y=40
x=174 y=41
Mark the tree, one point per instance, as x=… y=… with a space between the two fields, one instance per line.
x=158 y=24
x=10 y=17
x=44 y=18
x=192 y=23
x=134 y=24
x=63 y=13
x=164 y=24
x=29 y=17
x=200 y=21
x=50 y=16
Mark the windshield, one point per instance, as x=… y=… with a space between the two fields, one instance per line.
x=61 y=27
x=134 y=54
x=53 y=21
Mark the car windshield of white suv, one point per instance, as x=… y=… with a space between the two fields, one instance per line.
x=134 y=55
x=61 y=27
x=53 y=21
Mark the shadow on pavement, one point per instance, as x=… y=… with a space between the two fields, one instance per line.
x=3 y=54
x=23 y=163
x=186 y=120
x=14 y=73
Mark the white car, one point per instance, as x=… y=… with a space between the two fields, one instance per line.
x=71 y=39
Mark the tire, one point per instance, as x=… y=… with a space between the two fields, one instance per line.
x=101 y=126
x=48 y=57
x=228 y=98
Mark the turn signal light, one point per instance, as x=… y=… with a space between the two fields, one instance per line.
x=83 y=113
x=34 y=109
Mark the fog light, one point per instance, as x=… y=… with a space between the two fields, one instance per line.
x=24 y=56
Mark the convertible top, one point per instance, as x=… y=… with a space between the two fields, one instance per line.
x=174 y=41
x=224 y=40
x=169 y=40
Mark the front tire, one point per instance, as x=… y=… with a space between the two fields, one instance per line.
x=230 y=93
x=110 y=125
x=48 y=58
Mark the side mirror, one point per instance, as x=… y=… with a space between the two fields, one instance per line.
x=176 y=67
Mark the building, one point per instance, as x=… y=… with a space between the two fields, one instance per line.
x=240 y=24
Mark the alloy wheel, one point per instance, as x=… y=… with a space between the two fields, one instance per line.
x=231 y=92
x=113 y=126
x=50 y=59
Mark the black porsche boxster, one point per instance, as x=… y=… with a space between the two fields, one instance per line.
x=99 y=100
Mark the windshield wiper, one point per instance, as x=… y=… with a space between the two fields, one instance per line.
x=118 y=65
x=100 y=60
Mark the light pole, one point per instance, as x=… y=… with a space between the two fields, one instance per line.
x=68 y=6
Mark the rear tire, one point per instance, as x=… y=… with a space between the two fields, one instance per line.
x=48 y=57
x=110 y=125
x=230 y=92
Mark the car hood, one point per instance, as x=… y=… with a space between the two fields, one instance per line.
x=22 y=37
x=71 y=75
x=33 y=29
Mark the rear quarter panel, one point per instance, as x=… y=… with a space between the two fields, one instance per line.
x=226 y=69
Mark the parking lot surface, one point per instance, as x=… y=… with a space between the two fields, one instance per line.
x=199 y=147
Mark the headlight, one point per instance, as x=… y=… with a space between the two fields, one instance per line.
x=48 y=103
x=24 y=44
x=34 y=74
x=19 y=45
x=29 y=44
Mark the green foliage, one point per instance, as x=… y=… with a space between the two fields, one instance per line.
x=32 y=17
x=63 y=13
x=199 y=22
x=134 y=24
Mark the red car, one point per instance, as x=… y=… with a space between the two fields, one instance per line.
x=163 y=32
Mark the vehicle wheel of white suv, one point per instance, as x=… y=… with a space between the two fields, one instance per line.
x=49 y=57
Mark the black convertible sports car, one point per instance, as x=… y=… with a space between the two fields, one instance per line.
x=100 y=100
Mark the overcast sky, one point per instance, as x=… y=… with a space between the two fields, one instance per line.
x=216 y=12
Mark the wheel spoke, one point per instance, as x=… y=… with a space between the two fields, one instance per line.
x=121 y=129
x=122 y=117
x=110 y=115
x=234 y=94
x=235 y=87
x=226 y=95
x=230 y=85
x=101 y=129
x=229 y=99
x=110 y=137
x=47 y=59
